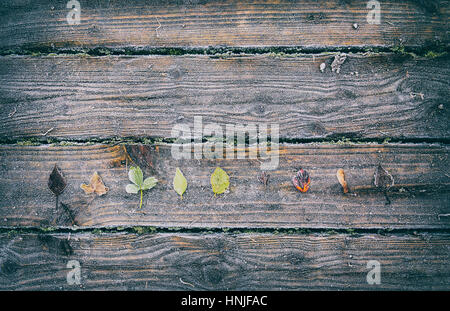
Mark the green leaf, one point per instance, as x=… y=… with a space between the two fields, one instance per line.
x=179 y=182
x=219 y=181
x=130 y=188
x=149 y=183
x=136 y=176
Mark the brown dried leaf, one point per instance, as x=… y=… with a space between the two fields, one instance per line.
x=382 y=178
x=56 y=181
x=301 y=180
x=264 y=178
x=95 y=185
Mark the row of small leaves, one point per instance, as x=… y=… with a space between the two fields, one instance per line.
x=57 y=183
x=219 y=182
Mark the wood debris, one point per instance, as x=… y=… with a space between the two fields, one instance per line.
x=337 y=62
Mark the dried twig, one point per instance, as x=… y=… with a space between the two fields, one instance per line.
x=13 y=112
x=157 y=34
x=414 y=95
x=186 y=283
x=443 y=215
x=44 y=134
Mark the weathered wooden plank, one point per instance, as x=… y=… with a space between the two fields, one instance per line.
x=102 y=97
x=224 y=261
x=419 y=199
x=171 y=23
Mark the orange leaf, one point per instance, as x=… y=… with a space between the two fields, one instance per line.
x=341 y=178
x=95 y=185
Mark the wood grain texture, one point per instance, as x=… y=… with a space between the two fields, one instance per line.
x=374 y=96
x=187 y=23
x=223 y=262
x=419 y=199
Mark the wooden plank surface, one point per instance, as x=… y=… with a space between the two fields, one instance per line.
x=142 y=23
x=223 y=261
x=373 y=96
x=146 y=75
x=419 y=199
